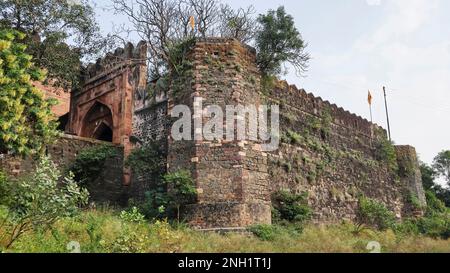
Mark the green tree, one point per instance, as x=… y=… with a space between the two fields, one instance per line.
x=180 y=189
x=428 y=176
x=441 y=165
x=38 y=201
x=26 y=120
x=50 y=26
x=278 y=41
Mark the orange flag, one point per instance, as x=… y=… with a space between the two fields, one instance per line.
x=192 y=22
x=369 y=98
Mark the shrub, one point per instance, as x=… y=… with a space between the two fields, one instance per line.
x=90 y=162
x=129 y=241
x=291 y=207
x=435 y=226
x=38 y=201
x=374 y=214
x=168 y=193
x=414 y=201
x=407 y=227
x=181 y=190
x=133 y=216
x=434 y=205
x=147 y=161
x=385 y=152
x=294 y=138
x=264 y=232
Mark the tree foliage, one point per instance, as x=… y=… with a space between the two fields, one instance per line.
x=441 y=164
x=278 y=41
x=38 y=201
x=26 y=120
x=90 y=162
x=429 y=175
x=58 y=34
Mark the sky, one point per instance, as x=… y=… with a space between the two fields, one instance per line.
x=361 y=45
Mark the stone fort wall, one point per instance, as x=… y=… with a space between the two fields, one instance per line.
x=325 y=151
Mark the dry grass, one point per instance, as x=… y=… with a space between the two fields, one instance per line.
x=104 y=231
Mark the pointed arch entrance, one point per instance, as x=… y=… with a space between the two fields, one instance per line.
x=98 y=123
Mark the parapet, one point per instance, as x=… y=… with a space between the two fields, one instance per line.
x=127 y=55
x=309 y=103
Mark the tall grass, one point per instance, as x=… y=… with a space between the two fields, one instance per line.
x=104 y=231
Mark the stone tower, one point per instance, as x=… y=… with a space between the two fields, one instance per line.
x=231 y=176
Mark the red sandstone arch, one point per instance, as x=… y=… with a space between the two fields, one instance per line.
x=98 y=123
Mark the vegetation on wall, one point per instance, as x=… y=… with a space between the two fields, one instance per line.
x=290 y=207
x=167 y=195
x=147 y=160
x=385 y=152
x=169 y=192
x=26 y=121
x=90 y=162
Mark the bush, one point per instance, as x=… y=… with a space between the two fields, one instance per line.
x=434 y=205
x=291 y=207
x=90 y=162
x=147 y=161
x=180 y=190
x=264 y=232
x=168 y=194
x=437 y=226
x=385 y=152
x=374 y=214
x=38 y=201
x=133 y=216
x=129 y=241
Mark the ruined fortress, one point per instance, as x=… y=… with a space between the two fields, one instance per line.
x=326 y=151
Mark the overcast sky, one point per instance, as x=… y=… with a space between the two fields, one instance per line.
x=358 y=45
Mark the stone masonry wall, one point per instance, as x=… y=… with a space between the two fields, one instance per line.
x=106 y=188
x=326 y=151
x=233 y=191
x=331 y=154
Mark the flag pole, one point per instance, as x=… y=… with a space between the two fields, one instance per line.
x=387 y=113
x=369 y=99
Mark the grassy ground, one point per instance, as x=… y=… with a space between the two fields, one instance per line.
x=105 y=231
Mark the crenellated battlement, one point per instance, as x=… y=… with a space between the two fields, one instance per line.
x=309 y=103
x=128 y=54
